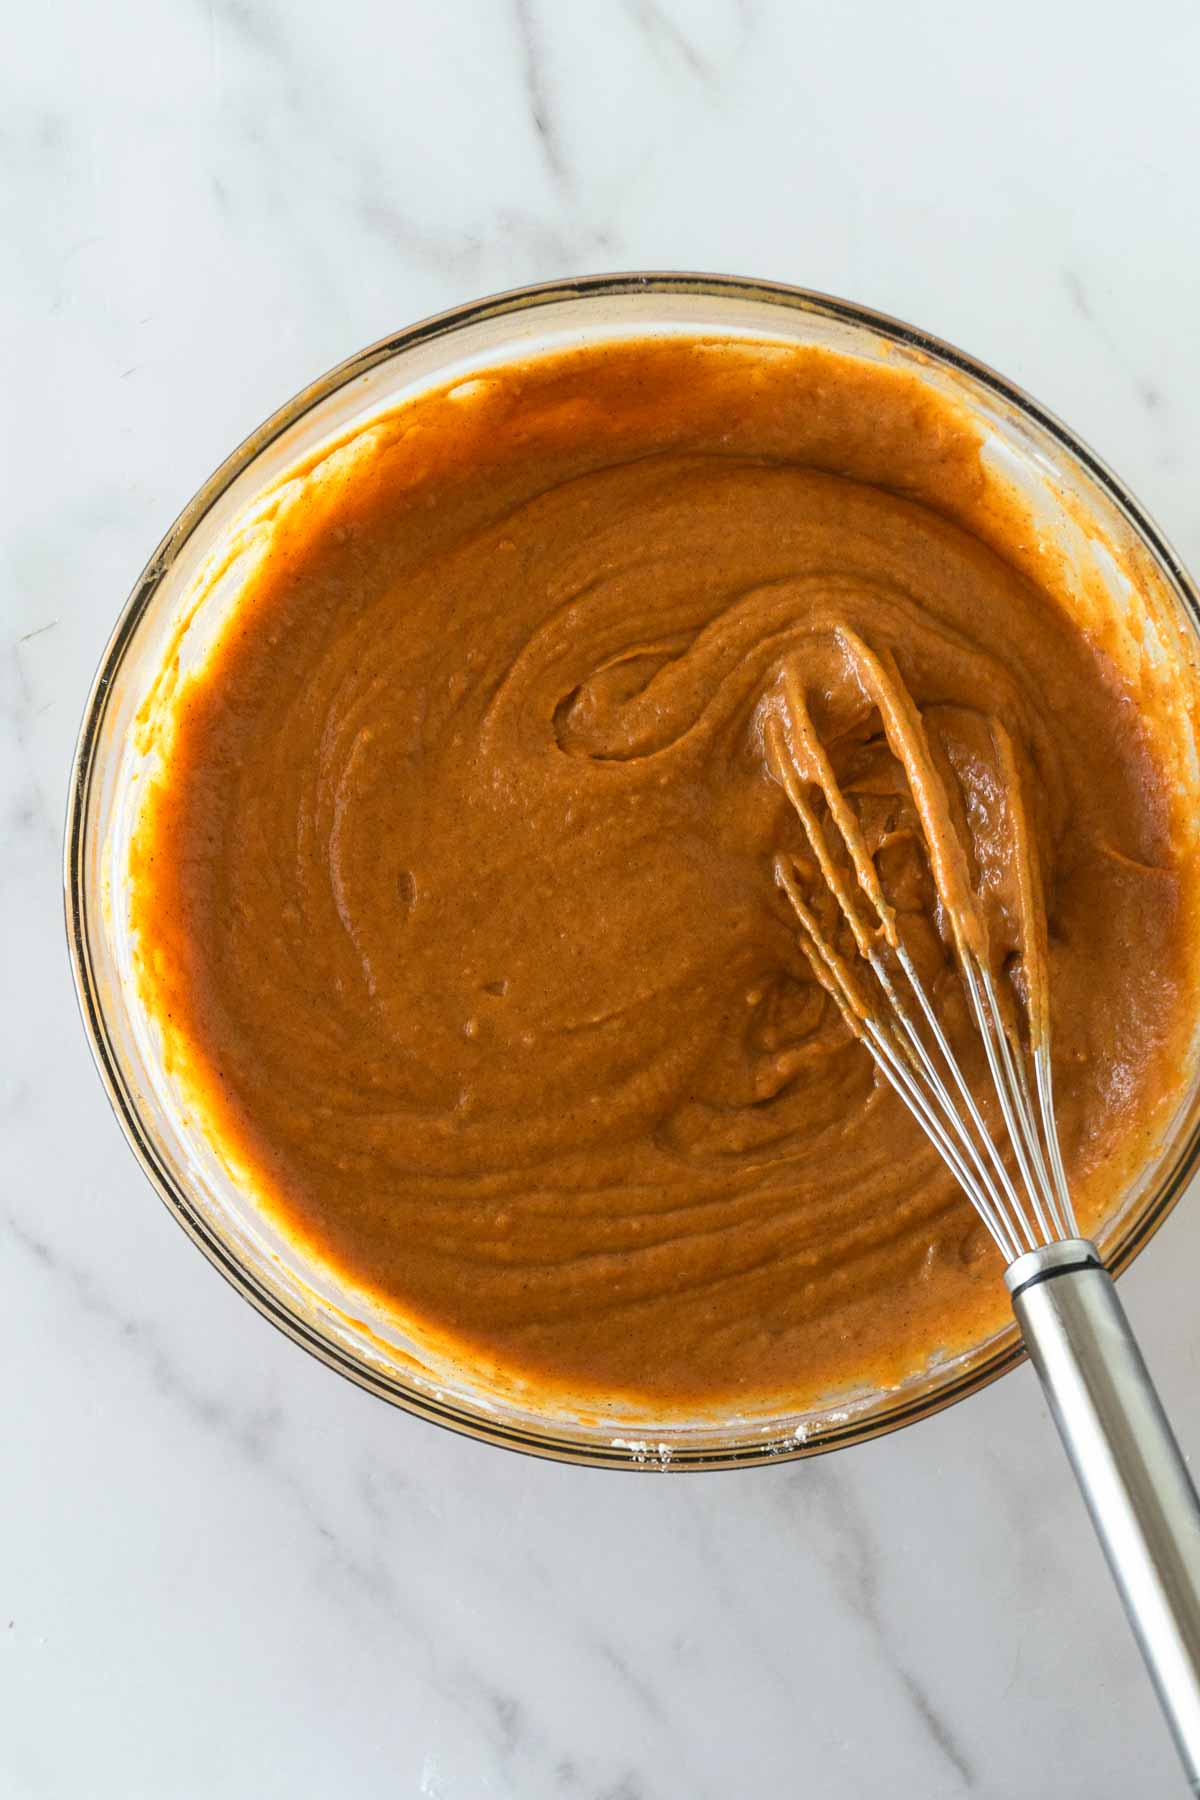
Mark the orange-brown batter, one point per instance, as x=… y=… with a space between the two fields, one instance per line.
x=457 y=895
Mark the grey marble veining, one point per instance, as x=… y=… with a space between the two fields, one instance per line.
x=229 y=1574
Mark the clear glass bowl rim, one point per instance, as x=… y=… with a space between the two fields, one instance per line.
x=1007 y=1352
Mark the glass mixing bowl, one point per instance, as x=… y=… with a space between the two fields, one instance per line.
x=1074 y=502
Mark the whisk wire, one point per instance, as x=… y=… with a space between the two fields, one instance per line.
x=893 y=1035
x=1010 y=1208
x=905 y=1062
x=996 y=1047
x=1045 y=1087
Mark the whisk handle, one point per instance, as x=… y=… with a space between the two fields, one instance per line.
x=1126 y=1460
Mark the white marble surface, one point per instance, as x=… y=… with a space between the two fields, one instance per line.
x=226 y=1572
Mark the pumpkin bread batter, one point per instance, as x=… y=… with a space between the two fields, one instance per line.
x=456 y=893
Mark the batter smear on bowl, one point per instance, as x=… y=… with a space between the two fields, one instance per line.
x=456 y=891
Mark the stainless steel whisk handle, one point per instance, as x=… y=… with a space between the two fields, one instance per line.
x=1126 y=1460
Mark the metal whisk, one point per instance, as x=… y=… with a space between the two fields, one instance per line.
x=1125 y=1457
